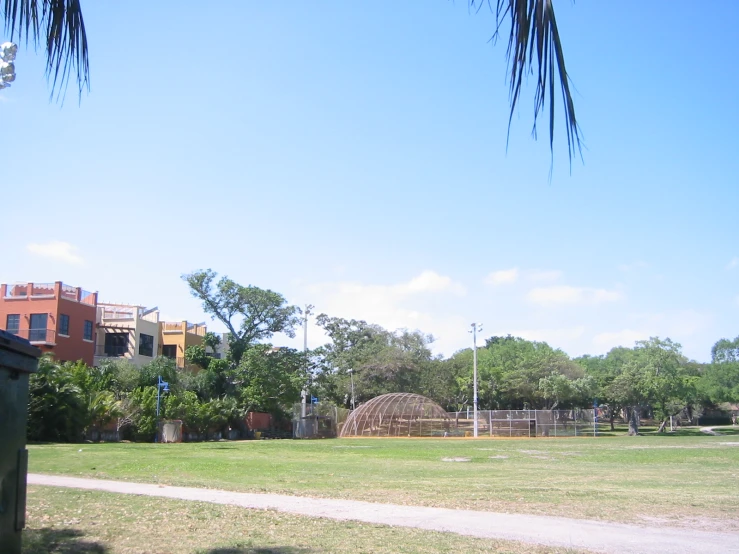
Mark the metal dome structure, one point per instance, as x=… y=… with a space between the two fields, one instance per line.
x=397 y=415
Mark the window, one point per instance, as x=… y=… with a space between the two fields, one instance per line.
x=64 y=325
x=146 y=345
x=38 y=327
x=116 y=344
x=169 y=351
x=13 y=323
x=87 y=335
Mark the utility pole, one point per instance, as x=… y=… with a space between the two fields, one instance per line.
x=475 y=329
x=304 y=394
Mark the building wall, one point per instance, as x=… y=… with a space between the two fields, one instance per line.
x=176 y=333
x=127 y=319
x=148 y=328
x=75 y=347
x=53 y=300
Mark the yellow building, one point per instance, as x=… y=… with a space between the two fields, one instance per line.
x=176 y=337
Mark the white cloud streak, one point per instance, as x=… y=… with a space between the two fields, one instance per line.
x=56 y=250
x=502 y=277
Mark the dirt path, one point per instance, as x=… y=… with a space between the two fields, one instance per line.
x=550 y=531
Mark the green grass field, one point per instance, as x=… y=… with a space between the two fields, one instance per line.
x=660 y=480
x=64 y=521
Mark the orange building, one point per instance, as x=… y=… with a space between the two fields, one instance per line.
x=55 y=317
x=175 y=337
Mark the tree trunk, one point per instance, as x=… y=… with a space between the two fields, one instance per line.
x=633 y=421
x=662 y=426
x=613 y=416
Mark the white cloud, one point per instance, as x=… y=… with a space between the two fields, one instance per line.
x=430 y=281
x=502 y=277
x=626 y=337
x=411 y=304
x=563 y=294
x=733 y=263
x=538 y=276
x=56 y=250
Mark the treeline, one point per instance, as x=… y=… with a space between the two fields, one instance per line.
x=513 y=373
x=71 y=401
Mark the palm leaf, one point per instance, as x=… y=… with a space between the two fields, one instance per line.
x=60 y=25
x=535 y=48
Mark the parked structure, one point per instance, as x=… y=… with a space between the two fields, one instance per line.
x=175 y=338
x=127 y=331
x=55 y=317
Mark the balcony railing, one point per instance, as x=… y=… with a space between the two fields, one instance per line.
x=49 y=290
x=112 y=351
x=119 y=313
x=36 y=336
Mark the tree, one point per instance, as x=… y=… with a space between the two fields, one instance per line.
x=534 y=47
x=57 y=410
x=271 y=379
x=381 y=361
x=212 y=341
x=251 y=314
x=720 y=380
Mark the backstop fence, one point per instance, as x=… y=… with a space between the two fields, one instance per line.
x=525 y=423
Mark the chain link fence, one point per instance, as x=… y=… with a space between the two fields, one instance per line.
x=526 y=423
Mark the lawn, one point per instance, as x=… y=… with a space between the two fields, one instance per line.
x=658 y=480
x=63 y=521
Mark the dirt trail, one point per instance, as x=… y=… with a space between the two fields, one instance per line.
x=595 y=536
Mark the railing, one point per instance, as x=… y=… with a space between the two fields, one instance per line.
x=68 y=292
x=119 y=313
x=172 y=327
x=16 y=291
x=48 y=290
x=42 y=289
x=112 y=351
x=36 y=336
x=87 y=297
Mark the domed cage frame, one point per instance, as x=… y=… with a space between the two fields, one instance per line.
x=397 y=415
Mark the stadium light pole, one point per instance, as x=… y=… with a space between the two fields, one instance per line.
x=304 y=394
x=475 y=329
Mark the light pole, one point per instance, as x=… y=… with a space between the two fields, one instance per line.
x=304 y=394
x=351 y=376
x=161 y=385
x=475 y=329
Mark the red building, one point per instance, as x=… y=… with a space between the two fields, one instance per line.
x=55 y=317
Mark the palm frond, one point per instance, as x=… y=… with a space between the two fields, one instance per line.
x=535 y=48
x=58 y=23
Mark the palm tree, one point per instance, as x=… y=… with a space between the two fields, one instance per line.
x=534 y=47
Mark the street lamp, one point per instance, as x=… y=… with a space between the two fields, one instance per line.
x=475 y=329
x=7 y=67
x=161 y=386
x=351 y=376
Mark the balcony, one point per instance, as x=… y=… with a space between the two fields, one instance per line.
x=36 y=336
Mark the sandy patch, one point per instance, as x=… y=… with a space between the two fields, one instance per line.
x=455 y=459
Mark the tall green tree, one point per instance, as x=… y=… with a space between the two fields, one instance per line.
x=534 y=48
x=720 y=379
x=250 y=314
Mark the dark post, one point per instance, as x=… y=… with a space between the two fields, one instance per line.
x=18 y=359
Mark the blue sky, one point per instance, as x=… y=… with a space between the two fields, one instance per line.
x=353 y=156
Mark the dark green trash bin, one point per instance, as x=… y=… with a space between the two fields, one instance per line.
x=18 y=359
